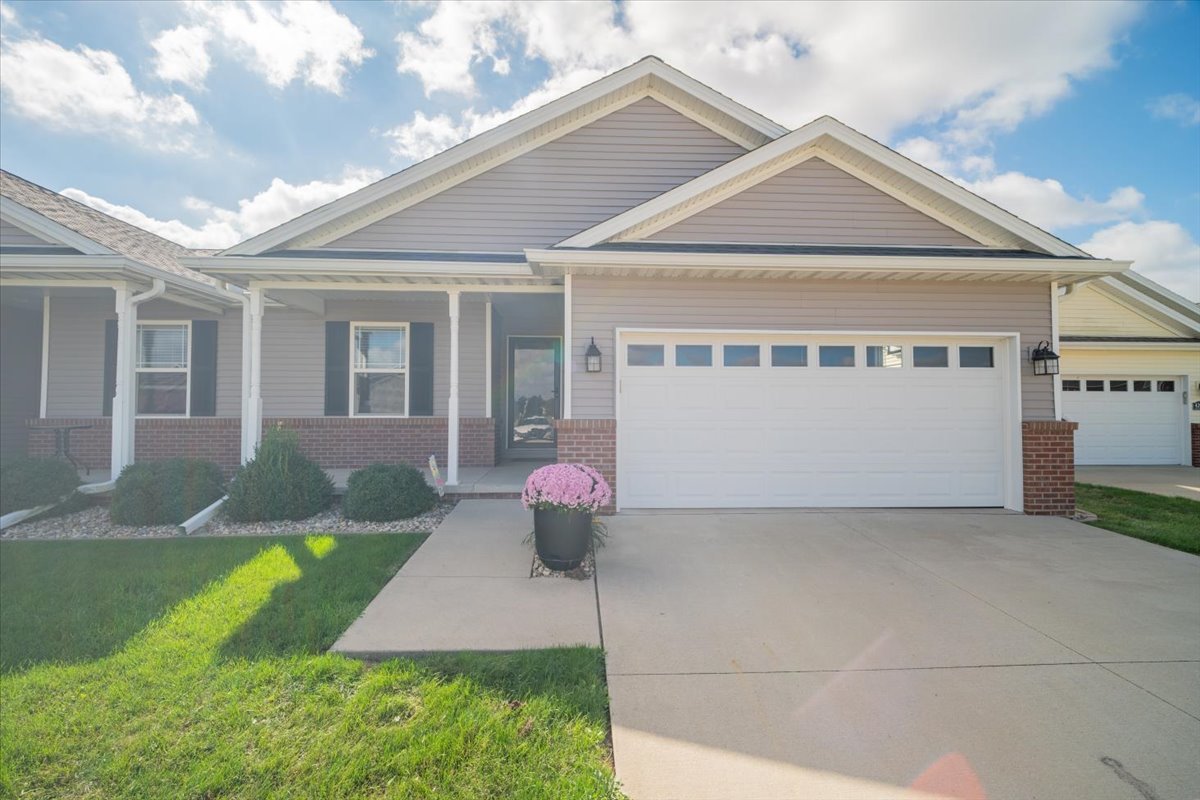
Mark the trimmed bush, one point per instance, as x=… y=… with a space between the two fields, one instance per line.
x=279 y=483
x=32 y=482
x=383 y=492
x=165 y=492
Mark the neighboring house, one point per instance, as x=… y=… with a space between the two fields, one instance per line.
x=1131 y=372
x=69 y=277
x=799 y=318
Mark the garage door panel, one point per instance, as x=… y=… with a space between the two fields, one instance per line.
x=810 y=436
x=1126 y=427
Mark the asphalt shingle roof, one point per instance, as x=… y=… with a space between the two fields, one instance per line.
x=118 y=236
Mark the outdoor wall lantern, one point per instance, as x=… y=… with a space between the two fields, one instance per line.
x=1045 y=360
x=592 y=357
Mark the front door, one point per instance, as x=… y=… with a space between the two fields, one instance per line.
x=534 y=387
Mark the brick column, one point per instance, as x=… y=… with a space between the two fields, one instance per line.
x=592 y=442
x=1048 y=456
x=1196 y=444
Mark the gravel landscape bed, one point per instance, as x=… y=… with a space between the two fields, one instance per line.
x=93 y=523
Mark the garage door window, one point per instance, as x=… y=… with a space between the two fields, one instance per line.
x=1095 y=386
x=693 y=355
x=789 y=355
x=644 y=355
x=836 y=355
x=1118 y=386
x=741 y=355
x=926 y=356
x=976 y=358
x=1166 y=386
x=1070 y=386
x=1141 y=386
x=885 y=355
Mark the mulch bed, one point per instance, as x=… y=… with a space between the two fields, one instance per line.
x=93 y=523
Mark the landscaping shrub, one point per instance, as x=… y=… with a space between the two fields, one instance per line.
x=32 y=482
x=165 y=492
x=279 y=483
x=384 y=492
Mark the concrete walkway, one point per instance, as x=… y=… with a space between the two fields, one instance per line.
x=468 y=588
x=1169 y=481
x=868 y=654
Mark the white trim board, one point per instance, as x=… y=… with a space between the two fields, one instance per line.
x=1013 y=466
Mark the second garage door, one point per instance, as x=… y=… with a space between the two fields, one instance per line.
x=1126 y=420
x=720 y=421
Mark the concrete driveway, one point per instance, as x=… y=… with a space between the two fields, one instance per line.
x=1169 y=481
x=867 y=654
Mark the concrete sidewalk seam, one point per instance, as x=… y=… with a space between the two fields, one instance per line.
x=894 y=669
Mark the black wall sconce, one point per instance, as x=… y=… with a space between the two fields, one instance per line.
x=592 y=357
x=1045 y=360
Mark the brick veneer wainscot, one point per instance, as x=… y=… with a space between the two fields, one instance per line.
x=592 y=442
x=1048 y=456
x=1196 y=444
x=334 y=442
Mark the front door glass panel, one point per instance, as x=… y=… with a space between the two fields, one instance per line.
x=535 y=382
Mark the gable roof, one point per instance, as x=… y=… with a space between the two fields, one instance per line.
x=90 y=232
x=649 y=77
x=1151 y=300
x=851 y=151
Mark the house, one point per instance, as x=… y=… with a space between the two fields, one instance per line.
x=644 y=275
x=1131 y=372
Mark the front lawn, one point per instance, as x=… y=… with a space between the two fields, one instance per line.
x=1170 y=521
x=196 y=668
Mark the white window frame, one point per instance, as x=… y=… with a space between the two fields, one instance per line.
x=356 y=371
x=187 y=352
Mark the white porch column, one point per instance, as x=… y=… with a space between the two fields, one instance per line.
x=45 y=387
x=567 y=356
x=252 y=420
x=487 y=358
x=452 y=415
x=126 y=330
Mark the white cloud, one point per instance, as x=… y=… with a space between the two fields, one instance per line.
x=1183 y=108
x=304 y=40
x=877 y=67
x=1045 y=202
x=7 y=15
x=1162 y=251
x=181 y=55
x=89 y=91
x=222 y=227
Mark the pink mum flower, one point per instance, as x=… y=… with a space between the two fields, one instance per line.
x=567 y=487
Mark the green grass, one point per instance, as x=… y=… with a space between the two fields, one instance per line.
x=1170 y=521
x=196 y=668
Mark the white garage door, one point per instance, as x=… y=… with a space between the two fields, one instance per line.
x=1125 y=420
x=719 y=421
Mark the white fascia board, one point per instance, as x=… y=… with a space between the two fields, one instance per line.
x=121 y=269
x=47 y=228
x=1155 y=298
x=485 y=141
x=1180 y=345
x=798 y=139
x=275 y=265
x=782 y=261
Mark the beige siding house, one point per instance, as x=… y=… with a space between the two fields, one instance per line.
x=644 y=275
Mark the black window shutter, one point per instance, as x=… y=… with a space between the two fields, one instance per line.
x=110 y=366
x=337 y=369
x=204 y=368
x=420 y=369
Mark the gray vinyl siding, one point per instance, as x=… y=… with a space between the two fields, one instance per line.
x=559 y=189
x=14 y=236
x=601 y=305
x=813 y=203
x=293 y=355
x=76 y=362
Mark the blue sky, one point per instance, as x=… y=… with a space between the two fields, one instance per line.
x=208 y=123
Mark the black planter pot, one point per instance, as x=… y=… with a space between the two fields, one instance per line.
x=561 y=537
